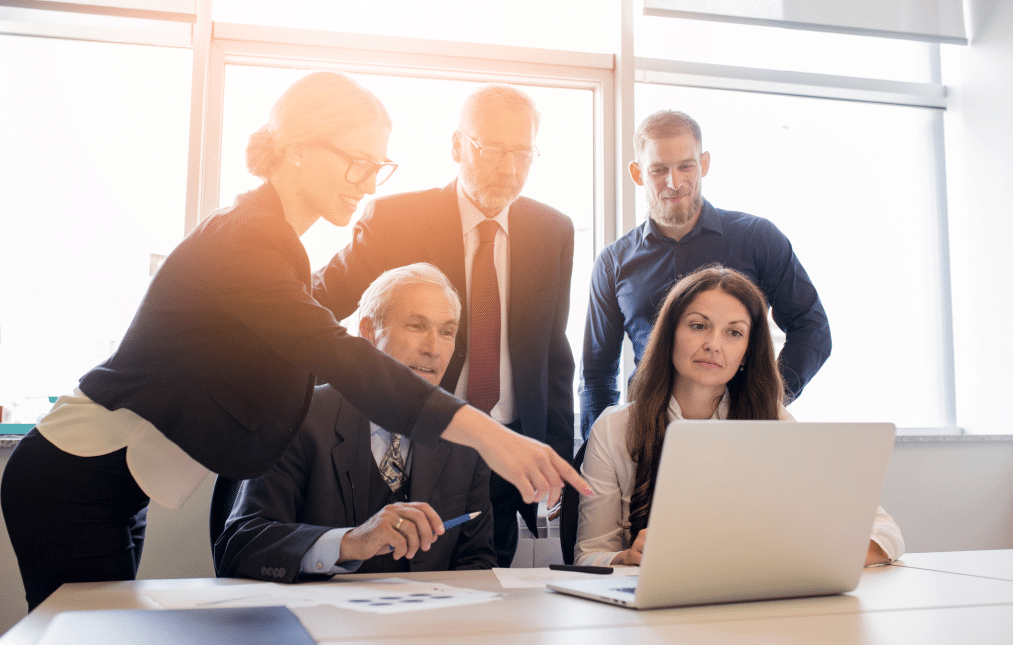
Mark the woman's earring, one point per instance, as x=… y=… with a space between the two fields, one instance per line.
x=742 y=367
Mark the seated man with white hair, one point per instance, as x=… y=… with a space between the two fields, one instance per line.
x=348 y=496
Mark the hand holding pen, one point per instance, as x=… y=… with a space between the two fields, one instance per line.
x=401 y=528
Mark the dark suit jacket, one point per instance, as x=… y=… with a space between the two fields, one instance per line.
x=228 y=341
x=322 y=482
x=426 y=227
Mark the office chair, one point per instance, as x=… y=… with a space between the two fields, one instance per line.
x=568 y=518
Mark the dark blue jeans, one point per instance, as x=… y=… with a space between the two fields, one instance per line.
x=71 y=519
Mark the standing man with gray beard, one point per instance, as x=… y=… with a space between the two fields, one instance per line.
x=509 y=256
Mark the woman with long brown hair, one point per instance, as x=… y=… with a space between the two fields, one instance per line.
x=710 y=356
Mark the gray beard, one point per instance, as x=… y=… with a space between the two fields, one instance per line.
x=495 y=204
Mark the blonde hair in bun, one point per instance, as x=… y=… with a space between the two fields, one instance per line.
x=317 y=106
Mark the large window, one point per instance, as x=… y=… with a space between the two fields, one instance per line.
x=93 y=176
x=95 y=158
x=837 y=139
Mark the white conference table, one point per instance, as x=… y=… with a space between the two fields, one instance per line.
x=998 y=564
x=925 y=598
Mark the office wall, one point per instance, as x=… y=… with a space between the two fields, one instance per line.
x=952 y=495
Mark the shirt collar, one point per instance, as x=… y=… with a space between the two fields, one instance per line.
x=383 y=433
x=375 y=430
x=472 y=217
x=709 y=219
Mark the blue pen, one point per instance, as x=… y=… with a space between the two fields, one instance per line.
x=449 y=524
x=467 y=517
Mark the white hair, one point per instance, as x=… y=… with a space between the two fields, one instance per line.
x=379 y=296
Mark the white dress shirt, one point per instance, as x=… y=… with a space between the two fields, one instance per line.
x=505 y=410
x=611 y=472
x=80 y=427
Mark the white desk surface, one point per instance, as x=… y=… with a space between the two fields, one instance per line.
x=949 y=626
x=892 y=604
x=998 y=564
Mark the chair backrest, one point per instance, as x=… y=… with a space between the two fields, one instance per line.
x=222 y=499
x=568 y=519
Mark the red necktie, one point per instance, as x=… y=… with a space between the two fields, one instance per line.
x=483 y=361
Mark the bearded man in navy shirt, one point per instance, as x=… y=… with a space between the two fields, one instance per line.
x=685 y=232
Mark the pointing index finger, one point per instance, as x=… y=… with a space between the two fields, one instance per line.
x=572 y=477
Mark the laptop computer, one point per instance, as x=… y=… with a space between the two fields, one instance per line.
x=754 y=510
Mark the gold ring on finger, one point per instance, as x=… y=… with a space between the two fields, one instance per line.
x=397 y=527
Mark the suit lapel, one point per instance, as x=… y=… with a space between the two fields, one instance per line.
x=427 y=465
x=445 y=243
x=525 y=249
x=351 y=456
x=445 y=248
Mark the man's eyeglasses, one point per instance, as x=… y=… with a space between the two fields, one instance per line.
x=495 y=153
x=360 y=169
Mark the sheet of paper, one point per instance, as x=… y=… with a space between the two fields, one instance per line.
x=537 y=578
x=261 y=594
x=394 y=595
x=384 y=596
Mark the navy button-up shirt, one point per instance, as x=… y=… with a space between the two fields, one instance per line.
x=633 y=274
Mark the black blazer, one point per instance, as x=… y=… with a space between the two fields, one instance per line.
x=322 y=482
x=228 y=341
x=426 y=227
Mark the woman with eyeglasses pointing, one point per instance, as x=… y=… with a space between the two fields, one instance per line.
x=216 y=370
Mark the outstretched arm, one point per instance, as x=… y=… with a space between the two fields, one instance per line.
x=531 y=466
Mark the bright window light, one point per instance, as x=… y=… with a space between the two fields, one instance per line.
x=793 y=50
x=93 y=167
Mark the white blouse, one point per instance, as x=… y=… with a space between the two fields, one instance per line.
x=79 y=426
x=611 y=472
